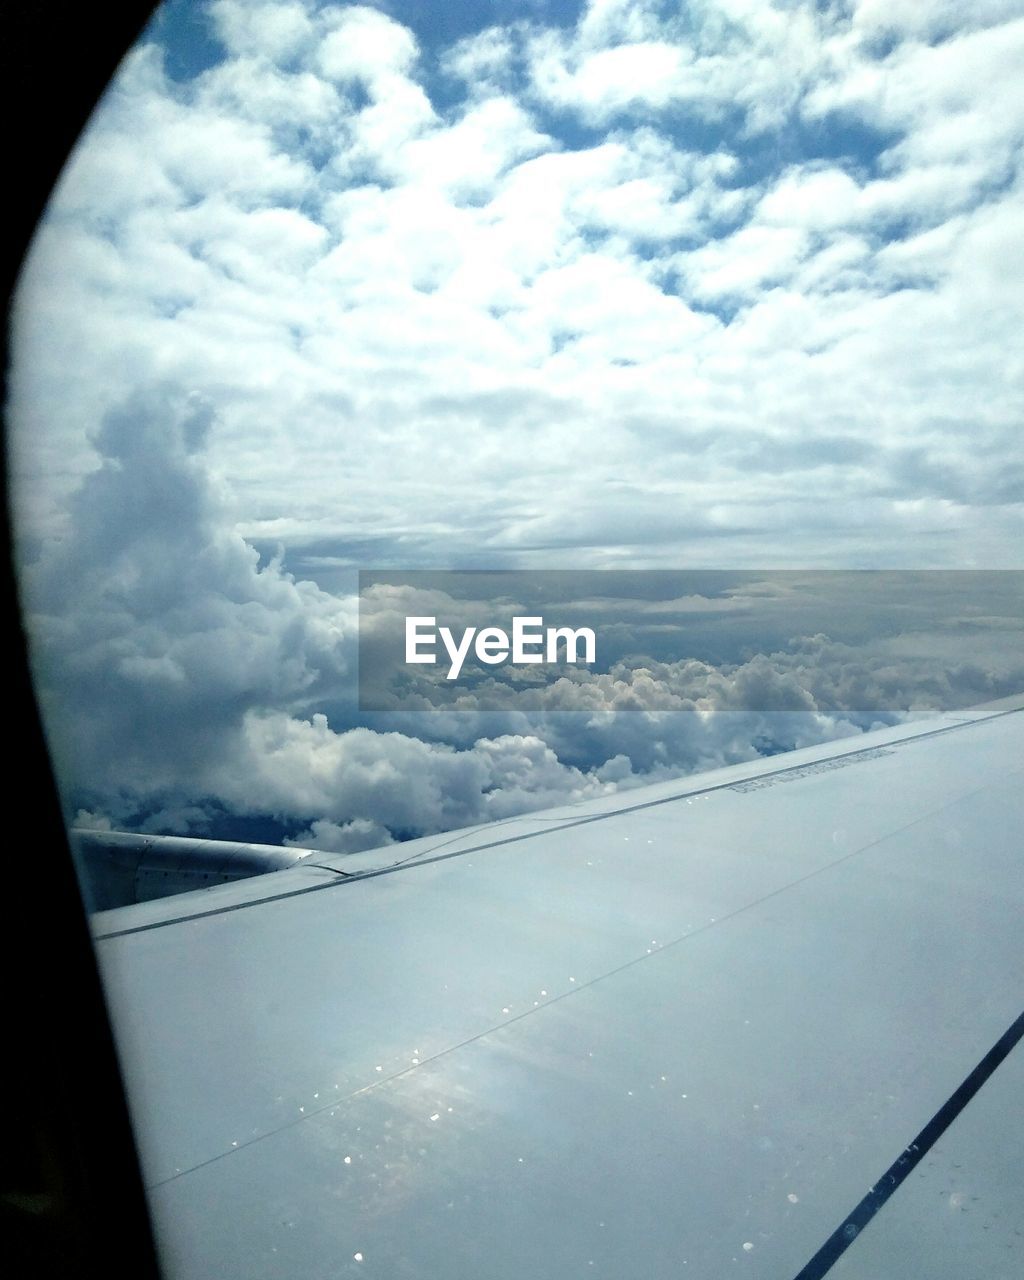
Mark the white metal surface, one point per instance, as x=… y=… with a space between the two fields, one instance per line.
x=681 y=1038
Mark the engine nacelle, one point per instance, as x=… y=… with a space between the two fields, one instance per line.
x=117 y=868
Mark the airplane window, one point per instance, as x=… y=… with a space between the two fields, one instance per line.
x=328 y=288
x=428 y=416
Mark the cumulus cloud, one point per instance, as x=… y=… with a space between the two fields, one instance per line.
x=155 y=628
x=802 y=225
x=736 y=284
x=349 y=837
x=272 y=30
x=698 y=681
x=184 y=680
x=709 y=59
x=394 y=781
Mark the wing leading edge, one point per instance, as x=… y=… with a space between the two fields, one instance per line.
x=682 y=1030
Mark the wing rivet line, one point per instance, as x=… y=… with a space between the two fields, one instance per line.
x=908 y=1159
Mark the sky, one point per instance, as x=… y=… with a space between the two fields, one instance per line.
x=722 y=285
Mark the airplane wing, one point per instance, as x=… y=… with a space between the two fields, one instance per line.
x=760 y=1022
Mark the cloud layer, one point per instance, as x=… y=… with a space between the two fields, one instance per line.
x=185 y=682
x=339 y=287
x=740 y=286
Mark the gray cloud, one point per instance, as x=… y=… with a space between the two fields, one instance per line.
x=186 y=684
x=154 y=628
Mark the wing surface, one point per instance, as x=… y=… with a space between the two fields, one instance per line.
x=677 y=1031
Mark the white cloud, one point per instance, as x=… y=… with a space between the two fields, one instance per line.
x=468 y=156
x=353 y=284
x=818 y=199
x=929 y=20
x=392 y=780
x=348 y=837
x=734 y=286
x=482 y=60
x=154 y=625
x=278 y=31
x=711 y=59
x=958 y=102
x=288 y=102
x=652 y=73
x=745 y=261
x=180 y=678
x=364 y=44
